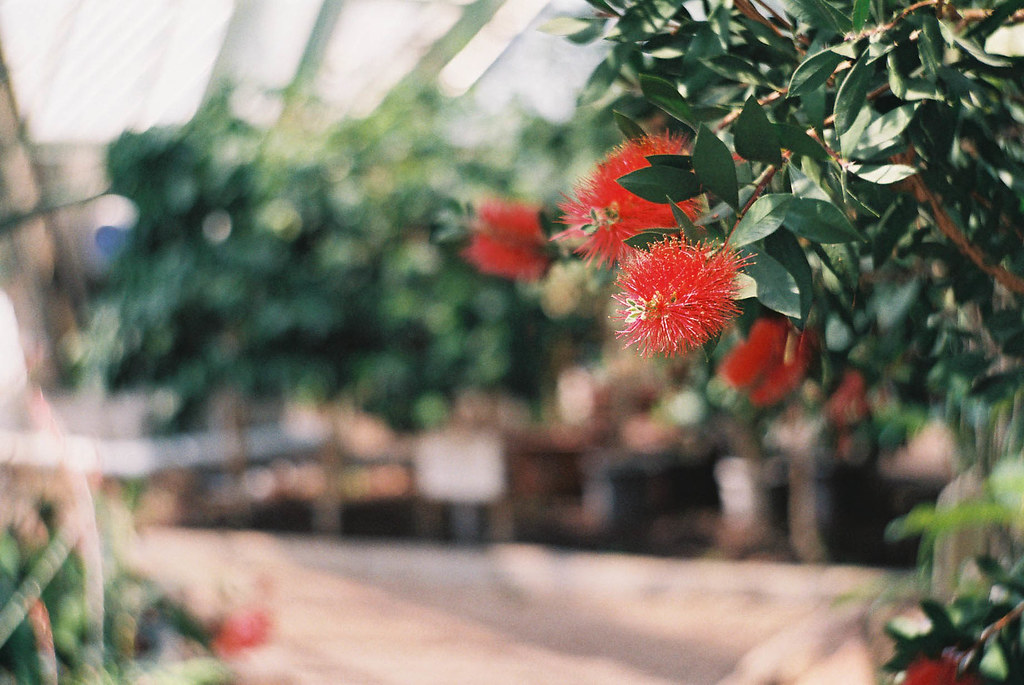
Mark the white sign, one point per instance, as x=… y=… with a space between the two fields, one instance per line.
x=461 y=467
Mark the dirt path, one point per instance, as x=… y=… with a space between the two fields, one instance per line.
x=392 y=613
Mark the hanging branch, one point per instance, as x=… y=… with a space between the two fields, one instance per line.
x=925 y=195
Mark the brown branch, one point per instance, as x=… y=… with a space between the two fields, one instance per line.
x=766 y=177
x=923 y=194
x=775 y=15
x=748 y=10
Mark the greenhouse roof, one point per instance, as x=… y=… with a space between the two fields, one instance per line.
x=86 y=70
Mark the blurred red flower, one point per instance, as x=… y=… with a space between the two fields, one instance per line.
x=604 y=214
x=242 y=630
x=849 y=402
x=507 y=241
x=771 y=362
x=765 y=345
x=941 y=671
x=676 y=295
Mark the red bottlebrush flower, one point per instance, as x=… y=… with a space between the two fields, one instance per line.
x=240 y=631
x=849 y=403
x=507 y=241
x=770 y=364
x=764 y=348
x=780 y=381
x=604 y=214
x=676 y=295
x=941 y=671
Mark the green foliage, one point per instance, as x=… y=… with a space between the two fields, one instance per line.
x=883 y=157
x=44 y=584
x=307 y=260
x=981 y=629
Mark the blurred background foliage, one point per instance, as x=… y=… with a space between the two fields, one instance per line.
x=315 y=258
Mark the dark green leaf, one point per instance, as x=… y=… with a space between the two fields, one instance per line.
x=704 y=45
x=998 y=387
x=939 y=617
x=820 y=221
x=715 y=167
x=930 y=46
x=796 y=140
x=785 y=248
x=677 y=161
x=602 y=6
x=851 y=104
x=776 y=287
x=861 y=9
x=640 y=241
x=737 y=69
x=629 y=128
x=820 y=14
x=661 y=184
x=754 y=136
x=762 y=219
x=690 y=231
x=666 y=96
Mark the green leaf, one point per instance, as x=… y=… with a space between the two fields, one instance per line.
x=851 y=105
x=930 y=46
x=885 y=129
x=677 y=161
x=666 y=96
x=970 y=47
x=661 y=184
x=785 y=248
x=882 y=174
x=802 y=185
x=796 y=140
x=754 y=136
x=746 y=287
x=762 y=219
x=994 y=21
x=715 y=167
x=641 y=240
x=776 y=287
x=736 y=69
x=820 y=14
x=627 y=126
x=565 y=26
x=690 y=231
x=993 y=664
x=820 y=221
x=601 y=79
x=861 y=9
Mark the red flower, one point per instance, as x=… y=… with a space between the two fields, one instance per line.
x=604 y=214
x=676 y=295
x=240 y=631
x=746 y=362
x=941 y=671
x=771 y=363
x=849 y=403
x=507 y=241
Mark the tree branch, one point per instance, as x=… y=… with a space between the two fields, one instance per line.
x=923 y=194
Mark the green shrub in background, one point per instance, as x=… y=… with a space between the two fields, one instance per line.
x=304 y=259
